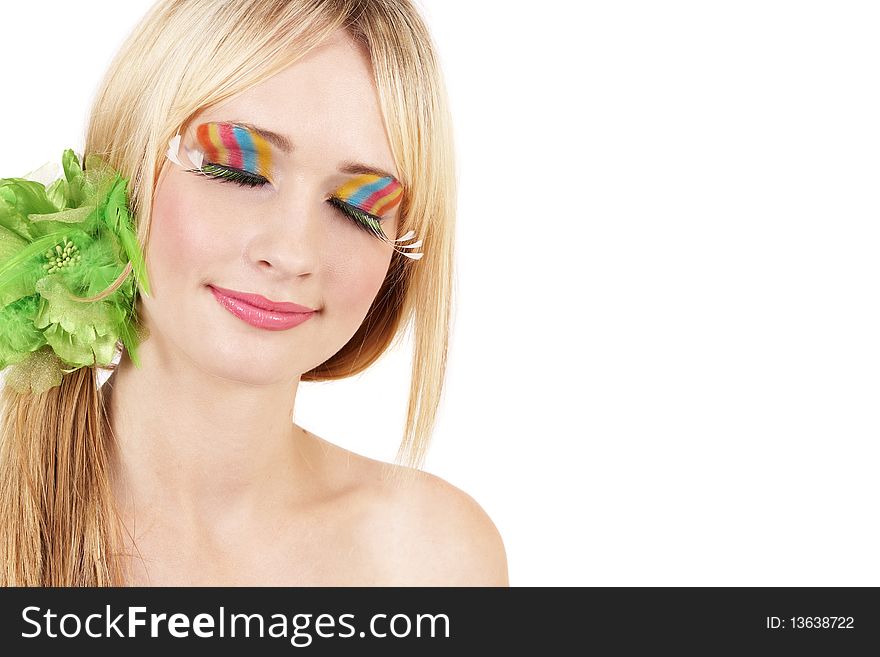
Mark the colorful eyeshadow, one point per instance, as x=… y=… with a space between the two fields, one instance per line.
x=371 y=193
x=233 y=146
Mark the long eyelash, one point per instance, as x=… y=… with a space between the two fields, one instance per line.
x=364 y=220
x=228 y=174
x=371 y=224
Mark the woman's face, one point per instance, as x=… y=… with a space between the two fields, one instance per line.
x=283 y=240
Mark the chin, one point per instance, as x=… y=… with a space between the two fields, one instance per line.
x=254 y=374
x=236 y=359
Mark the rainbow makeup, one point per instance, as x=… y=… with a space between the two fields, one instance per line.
x=236 y=147
x=233 y=153
x=364 y=198
x=371 y=193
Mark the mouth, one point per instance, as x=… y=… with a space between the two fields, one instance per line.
x=261 y=312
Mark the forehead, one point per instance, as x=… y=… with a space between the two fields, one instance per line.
x=326 y=104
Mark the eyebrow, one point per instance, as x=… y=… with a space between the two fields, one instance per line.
x=282 y=142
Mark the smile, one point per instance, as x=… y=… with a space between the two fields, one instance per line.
x=272 y=320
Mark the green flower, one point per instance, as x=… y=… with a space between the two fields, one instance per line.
x=67 y=252
x=20 y=336
x=81 y=334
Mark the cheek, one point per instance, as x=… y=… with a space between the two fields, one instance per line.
x=178 y=242
x=358 y=285
x=357 y=268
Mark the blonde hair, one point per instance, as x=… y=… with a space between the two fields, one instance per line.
x=56 y=503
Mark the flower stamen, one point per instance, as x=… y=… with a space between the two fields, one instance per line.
x=64 y=255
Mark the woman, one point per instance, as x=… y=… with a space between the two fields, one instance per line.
x=292 y=183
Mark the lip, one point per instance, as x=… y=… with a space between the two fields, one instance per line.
x=259 y=311
x=259 y=301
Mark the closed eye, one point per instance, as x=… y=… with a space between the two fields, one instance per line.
x=228 y=174
x=362 y=219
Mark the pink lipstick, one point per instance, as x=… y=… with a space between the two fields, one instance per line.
x=259 y=311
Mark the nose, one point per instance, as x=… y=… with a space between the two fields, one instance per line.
x=287 y=237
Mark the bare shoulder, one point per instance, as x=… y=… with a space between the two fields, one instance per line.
x=445 y=537
x=417 y=528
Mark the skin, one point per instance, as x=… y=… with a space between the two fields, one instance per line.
x=215 y=483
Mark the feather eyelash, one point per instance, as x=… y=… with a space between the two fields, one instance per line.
x=365 y=220
x=371 y=224
x=195 y=156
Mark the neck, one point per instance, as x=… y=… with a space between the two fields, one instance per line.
x=200 y=450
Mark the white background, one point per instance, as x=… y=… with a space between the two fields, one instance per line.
x=665 y=365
